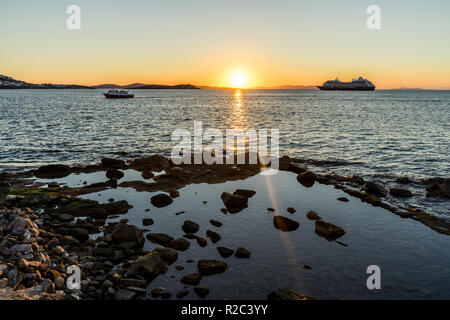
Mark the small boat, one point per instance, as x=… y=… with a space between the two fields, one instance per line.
x=118 y=94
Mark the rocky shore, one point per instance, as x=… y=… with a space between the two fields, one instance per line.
x=47 y=229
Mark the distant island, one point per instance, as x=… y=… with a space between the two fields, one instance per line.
x=145 y=86
x=10 y=83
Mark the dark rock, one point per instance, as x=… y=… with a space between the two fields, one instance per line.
x=179 y=268
x=328 y=230
x=400 y=192
x=147 y=222
x=190 y=226
x=291 y=210
x=128 y=233
x=180 y=244
x=343 y=199
x=286 y=294
x=373 y=188
x=234 y=203
x=159 y=238
x=81 y=235
x=224 y=211
x=271 y=209
x=182 y=294
x=215 y=237
x=52 y=171
x=117 y=207
x=130 y=282
x=215 y=223
x=210 y=267
x=308 y=267
x=312 y=215
x=123 y=294
x=285 y=224
x=201 y=241
x=174 y=193
x=242 y=253
x=149 y=265
x=403 y=180
x=147 y=174
x=306 y=178
x=156 y=293
x=65 y=217
x=169 y=255
x=110 y=162
x=192 y=279
x=166 y=295
x=245 y=193
x=161 y=200
x=225 y=252
x=114 y=173
x=201 y=291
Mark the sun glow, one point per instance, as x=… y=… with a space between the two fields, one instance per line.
x=238 y=80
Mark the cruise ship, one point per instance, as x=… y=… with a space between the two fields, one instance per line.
x=359 y=84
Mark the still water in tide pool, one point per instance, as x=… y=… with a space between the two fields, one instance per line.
x=381 y=134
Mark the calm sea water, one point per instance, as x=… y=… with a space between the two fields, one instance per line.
x=381 y=134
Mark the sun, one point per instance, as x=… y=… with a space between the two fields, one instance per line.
x=238 y=80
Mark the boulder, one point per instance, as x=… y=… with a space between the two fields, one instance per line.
x=110 y=162
x=128 y=233
x=192 y=279
x=114 y=173
x=159 y=238
x=328 y=230
x=312 y=215
x=234 y=203
x=182 y=294
x=190 y=226
x=52 y=171
x=291 y=210
x=215 y=223
x=400 y=192
x=147 y=222
x=306 y=178
x=242 y=253
x=161 y=200
x=179 y=244
x=149 y=265
x=373 y=188
x=147 y=174
x=210 y=267
x=285 y=224
x=245 y=193
x=225 y=252
x=215 y=237
x=343 y=199
x=287 y=294
x=117 y=207
x=201 y=291
x=169 y=255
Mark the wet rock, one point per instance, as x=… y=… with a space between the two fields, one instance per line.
x=216 y=223
x=192 y=279
x=328 y=230
x=400 y=192
x=123 y=294
x=156 y=293
x=52 y=171
x=149 y=265
x=110 y=162
x=114 y=173
x=181 y=294
x=147 y=221
x=159 y=238
x=166 y=295
x=174 y=193
x=201 y=241
x=209 y=267
x=225 y=252
x=86 y=209
x=179 y=267
x=403 y=180
x=291 y=210
x=65 y=217
x=169 y=255
x=308 y=267
x=312 y=215
x=215 y=237
x=147 y=174
x=234 y=203
x=271 y=209
x=130 y=282
x=245 y=193
x=343 y=199
x=117 y=207
x=161 y=200
x=224 y=211
x=285 y=224
x=306 y=178
x=287 y=294
x=242 y=253
x=201 y=291
x=128 y=233
x=438 y=187
x=180 y=244
x=190 y=226
x=154 y=162
x=59 y=283
x=373 y=188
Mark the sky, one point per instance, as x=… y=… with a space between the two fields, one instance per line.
x=206 y=42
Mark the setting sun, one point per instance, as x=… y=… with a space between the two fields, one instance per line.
x=238 y=80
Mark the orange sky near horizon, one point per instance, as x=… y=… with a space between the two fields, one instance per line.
x=205 y=42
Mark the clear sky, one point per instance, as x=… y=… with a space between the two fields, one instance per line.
x=204 y=42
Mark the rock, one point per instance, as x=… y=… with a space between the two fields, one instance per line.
x=159 y=238
x=79 y=234
x=215 y=223
x=403 y=180
x=328 y=230
x=169 y=255
x=117 y=207
x=215 y=237
x=343 y=199
x=65 y=217
x=174 y=193
x=166 y=295
x=225 y=252
x=400 y=192
x=130 y=282
x=110 y=162
x=244 y=193
x=182 y=294
x=308 y=267
x=201 y=291
x=147 y=221
x=271 y=209
x=161 y=200
x=149 y=265
x=291 y=210
x=179 y=267
x=190 y=226
x=180 y=244
x=286 y=294
x=52 y=171
x=192 y=279
x=147 y=174
x=59 y=250
x=306 y=178
x=201 y=242
x=285 y=224
x=123 y=294
x=242 y=253
x=210 y=267
x=234 y=203
x=59 y=283
x=373 y=188
x=312 y=215
x=156 y=293
x=128 y=233
x=114 y=173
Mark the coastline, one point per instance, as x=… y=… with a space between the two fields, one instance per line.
x=48 y=226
